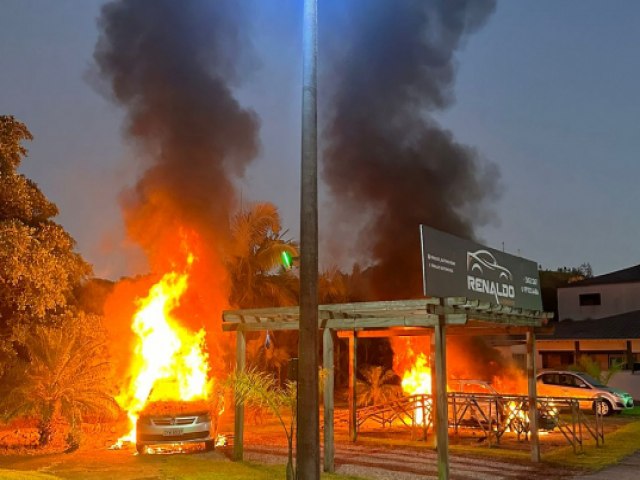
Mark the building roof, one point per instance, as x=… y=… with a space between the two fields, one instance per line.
x=627 y=275
x=623 y=326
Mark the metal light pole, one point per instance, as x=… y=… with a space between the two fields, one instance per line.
x=308 y=440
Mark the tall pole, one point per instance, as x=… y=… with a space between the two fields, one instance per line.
x=308 y=441
x=533 y=396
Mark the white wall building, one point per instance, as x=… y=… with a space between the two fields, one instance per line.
x=599 y=317
x=602 y=296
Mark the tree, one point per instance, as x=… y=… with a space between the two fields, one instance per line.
x=38 y=267
x=64 y=379
x=589 y=366
x=260 y=389
x=254 y=257
x=332 y=287
x=52 y=360
x=377 y=386
x=264 y=354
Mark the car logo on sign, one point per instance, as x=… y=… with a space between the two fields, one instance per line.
x=485 y=275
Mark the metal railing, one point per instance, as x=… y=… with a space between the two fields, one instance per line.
x=494 y=415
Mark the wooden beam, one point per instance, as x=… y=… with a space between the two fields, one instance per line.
x=469 y=330
x=426 y=320
x=356 y=307
x=398 y=313
x=238 y=421
x=484 y=329
x=441 y=403
x=327 y=362
x=353 y=398
x=533 y=396
x=388 y=332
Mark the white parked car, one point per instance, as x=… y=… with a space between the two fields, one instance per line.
x=565 y=383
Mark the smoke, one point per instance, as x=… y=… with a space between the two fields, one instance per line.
x=386 y=158
x=172 y=67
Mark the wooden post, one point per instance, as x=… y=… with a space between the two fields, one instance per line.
x=238 y=428
x=533 y=395
x=353 y=398
x=576 y=351
x=327 y=359
x=630 y=358
x=440 y=397
x=434 y=384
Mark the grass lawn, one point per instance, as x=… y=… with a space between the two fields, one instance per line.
x=620 y=441
x=16 y=475
x=617 y=445
x=123 y=465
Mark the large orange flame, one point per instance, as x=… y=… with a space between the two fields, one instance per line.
x=170 y=362
x=417 y=381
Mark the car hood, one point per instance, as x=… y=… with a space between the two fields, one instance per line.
x=615 y=390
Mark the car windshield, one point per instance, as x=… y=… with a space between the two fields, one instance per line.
x=591 y=380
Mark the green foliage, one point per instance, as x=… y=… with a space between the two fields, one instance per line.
x=332 y=286
x=254 y=257
x=260 y=389
x=589 y=366
x=65 y=377
x=377 y=386
x=12 y=134
x=38 y=268
x=266 y=356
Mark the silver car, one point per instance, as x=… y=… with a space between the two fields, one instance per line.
x=174 y=429
x=564 y=383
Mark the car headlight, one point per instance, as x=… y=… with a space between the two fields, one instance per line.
x=203 y=419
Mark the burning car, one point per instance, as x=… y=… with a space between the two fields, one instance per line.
x=481 y=404
x=163 y=429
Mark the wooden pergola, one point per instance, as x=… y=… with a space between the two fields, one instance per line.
x=435 y=317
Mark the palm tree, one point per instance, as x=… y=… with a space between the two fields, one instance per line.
x=377 y=386
x=254 y=257
x=332 y=286
x=259 y=389
x=64 y=379
x=266 y=355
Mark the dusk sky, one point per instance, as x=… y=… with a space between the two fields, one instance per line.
x=547 y=90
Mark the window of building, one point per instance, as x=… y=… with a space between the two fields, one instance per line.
x=589 y=299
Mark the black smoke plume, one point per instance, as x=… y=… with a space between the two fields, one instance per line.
x=385 y=154
x=171 y=65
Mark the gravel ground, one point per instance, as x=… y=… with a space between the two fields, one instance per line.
x=382 y=463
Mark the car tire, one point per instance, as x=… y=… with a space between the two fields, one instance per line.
x=140 y=448
x=209 y=445
x=606 y=409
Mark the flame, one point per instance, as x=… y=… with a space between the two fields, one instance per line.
x=417 y=381
x=170 y=362
x=517 y=417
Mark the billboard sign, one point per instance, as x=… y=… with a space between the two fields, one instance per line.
x=456 y=267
